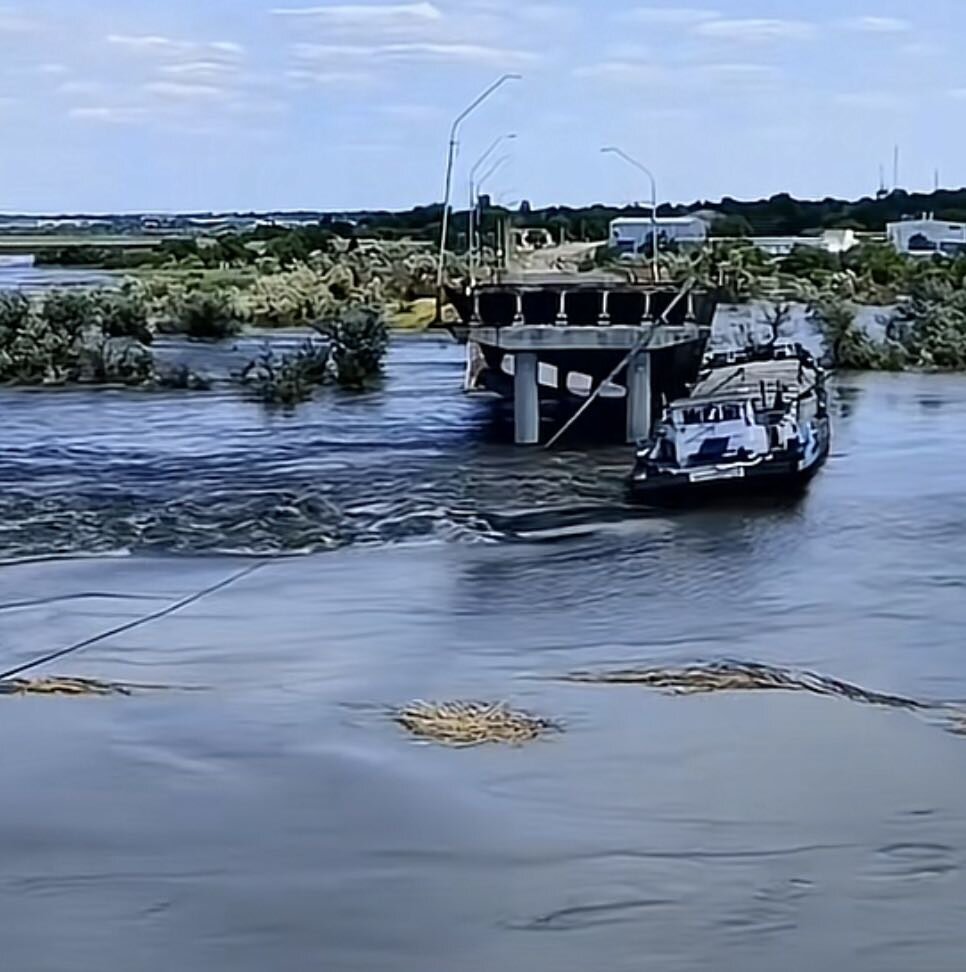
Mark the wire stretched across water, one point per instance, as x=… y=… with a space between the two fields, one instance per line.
x=136 y=623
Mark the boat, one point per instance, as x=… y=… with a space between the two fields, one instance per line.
x=755 y=422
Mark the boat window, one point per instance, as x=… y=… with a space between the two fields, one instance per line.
x=691 y=416
x=731 y=412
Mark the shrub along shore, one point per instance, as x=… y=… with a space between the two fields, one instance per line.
x=348 y=294
x=104 y=336
x=923 y=324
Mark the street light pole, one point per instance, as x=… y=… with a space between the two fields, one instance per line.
x=497 y=142
x=611 y=150
x=450 y=161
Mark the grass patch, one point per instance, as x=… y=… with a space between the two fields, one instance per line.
x=467 y=724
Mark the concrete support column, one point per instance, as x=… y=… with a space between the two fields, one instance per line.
x=691 y=307
x=639 y=418
x=518 y=315
x=605 y=309
x=562 y=319
x=647 y=307
x=476 y=308
x=526 y=399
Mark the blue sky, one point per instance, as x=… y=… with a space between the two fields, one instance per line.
x=111 y=105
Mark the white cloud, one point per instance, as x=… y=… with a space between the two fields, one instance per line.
x=411 y=113
x=109 y=115
x=878 y=25
x=169 y=47
x=367 y=15
x=226 y=47
x=254 y=105
x=143 y=42
x=544 y=14
x=199 y=70
x=180 y=91
x=621 y=72
x=685 y=76
x=670 y=16
x=81 y=88
x=418 y=51
x=14 y=21
x=755 y=30
x=53 y=70
x=304 y=77
x=739 y=72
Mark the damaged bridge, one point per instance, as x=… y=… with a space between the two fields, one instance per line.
x=583 y=340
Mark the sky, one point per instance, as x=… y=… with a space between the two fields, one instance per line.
x=166 y=105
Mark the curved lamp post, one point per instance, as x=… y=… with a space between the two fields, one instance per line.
x=450 y=160
x=480 y=162
x=611 y=150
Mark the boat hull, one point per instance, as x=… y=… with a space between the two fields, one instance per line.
x=777 y=477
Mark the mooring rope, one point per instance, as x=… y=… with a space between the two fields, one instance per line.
x=137 y=623
x=643 y=343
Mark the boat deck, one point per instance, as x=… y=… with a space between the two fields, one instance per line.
x=791 y=374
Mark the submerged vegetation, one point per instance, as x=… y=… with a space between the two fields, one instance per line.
x=65 y=338
x=288 y=379
x=466 y=724
x=919 y=303
x=350 y=290
x=344 y=292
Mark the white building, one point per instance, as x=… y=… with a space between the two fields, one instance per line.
x=632 y=235
x=924 y=237
x=831 y=241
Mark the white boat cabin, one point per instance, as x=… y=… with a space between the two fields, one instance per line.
x=739 y=414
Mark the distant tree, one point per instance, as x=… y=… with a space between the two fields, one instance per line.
x=732 y=226
x=809 y=262
x=881 y=263
x=776 y=318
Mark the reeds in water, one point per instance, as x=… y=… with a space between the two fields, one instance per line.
x=465 y=724
x=63 y=686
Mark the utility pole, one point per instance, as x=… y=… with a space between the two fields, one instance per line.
x=450 y=162
x=474 y=202
x=611 y=150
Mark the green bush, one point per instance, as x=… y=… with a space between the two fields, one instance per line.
x=809 y=263
x=74 y=337
x=287 y=380
x=124 y=314
x=14 y=313
x=359 y=341
x=932 y=326
x=206 y=316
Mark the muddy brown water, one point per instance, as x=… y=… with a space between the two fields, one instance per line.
x=278 y=819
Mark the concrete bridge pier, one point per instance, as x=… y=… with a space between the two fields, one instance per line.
x=639 y=398
x=526 y=398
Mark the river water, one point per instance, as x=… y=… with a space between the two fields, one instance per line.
x=278 y=819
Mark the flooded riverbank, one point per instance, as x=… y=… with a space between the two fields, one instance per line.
x=278 y=816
